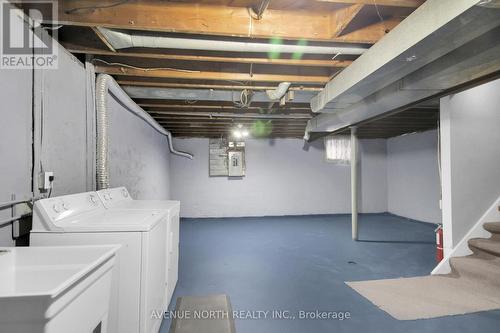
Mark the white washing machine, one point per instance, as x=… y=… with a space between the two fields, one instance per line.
x=138 y=289
x=119 y=198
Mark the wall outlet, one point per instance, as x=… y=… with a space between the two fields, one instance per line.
x=46 y=179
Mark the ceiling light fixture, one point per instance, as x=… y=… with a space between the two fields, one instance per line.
x=240 y=132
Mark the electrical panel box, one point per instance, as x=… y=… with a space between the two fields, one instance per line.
x=226 y=158
x=218 y=158
x=235 y=160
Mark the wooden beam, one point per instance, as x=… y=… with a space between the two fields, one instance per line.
x=207 y=86
x=104 y=40
x=207 y=130
x=187 y=118
x=342 y=18
x=392 y=3
x=376 y=30
x=225 y=126
x=261 y=61
x=202 y=75
x=266 y=116
x=157 y=15
x=216 y=107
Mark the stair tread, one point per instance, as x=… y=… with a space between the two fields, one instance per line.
x=476 y=265
x=485 y=244
x=493 y=227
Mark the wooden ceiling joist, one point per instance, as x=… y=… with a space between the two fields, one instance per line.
x=344 y=18
x=228 y=126
x=302 y=22
x=103 y=40
x=207 y=86
x=217 y=107
x=202 y=75
x=261 y=61
x=211 y=20
x=236 y=115
x=392 y=3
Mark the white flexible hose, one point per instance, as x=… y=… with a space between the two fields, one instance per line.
x=106 y=84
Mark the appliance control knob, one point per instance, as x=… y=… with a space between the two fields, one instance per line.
x=93 y=199
x=106 y=196
x=124 y=193
x=65 y=206
x=56 y=208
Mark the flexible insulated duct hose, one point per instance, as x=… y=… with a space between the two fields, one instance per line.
x=106 y=84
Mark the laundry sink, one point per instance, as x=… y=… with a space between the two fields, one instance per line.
x=55 y=289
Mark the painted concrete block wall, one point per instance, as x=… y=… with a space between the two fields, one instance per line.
x=64 y=124
x=282 y=178
x=470 y=132
x=15 y=141
x=413 y=176
x=138 y=155
x=60 y=100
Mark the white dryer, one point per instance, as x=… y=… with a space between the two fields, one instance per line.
x=82 y=219
x=120 y=198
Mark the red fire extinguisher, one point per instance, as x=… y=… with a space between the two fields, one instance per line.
x=439 y=243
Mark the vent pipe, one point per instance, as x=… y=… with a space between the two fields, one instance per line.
x=105 y=85
x=122 y=40
x=279 y=92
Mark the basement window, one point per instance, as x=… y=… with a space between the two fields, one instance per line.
x=338 y=149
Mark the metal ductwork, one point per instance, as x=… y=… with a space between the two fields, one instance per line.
x=211 y=95
x=279 y=92
x=442 y=45
x=122 y=40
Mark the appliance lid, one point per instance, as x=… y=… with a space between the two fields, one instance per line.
x=115 y=220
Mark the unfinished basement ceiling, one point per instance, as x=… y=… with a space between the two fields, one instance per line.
x=187 y=90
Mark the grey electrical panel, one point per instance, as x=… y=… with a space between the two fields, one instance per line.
x=226 y=159
x=236 y=159
x=218 y=158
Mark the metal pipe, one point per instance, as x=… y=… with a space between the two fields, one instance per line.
x=15 y=202
x=105 y=85
x=354 y=183
x=12 y=219
x=121 y=40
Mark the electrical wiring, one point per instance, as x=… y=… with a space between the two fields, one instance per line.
x=245 y=99
x=77 y=9
x=257 y=14
x=57 y=27
x=378 y=12
x=143 y=68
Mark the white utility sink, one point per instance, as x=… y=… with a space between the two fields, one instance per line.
x=55 y=289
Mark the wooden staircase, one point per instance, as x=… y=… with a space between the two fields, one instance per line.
x=483 y=265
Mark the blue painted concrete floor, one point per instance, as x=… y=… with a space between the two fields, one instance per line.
x=300 y=264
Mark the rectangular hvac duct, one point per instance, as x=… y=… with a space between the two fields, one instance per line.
x=444 y=43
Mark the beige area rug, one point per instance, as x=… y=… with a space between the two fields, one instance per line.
x=473 y=285
x=426 y=297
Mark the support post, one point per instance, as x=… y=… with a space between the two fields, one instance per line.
x=354 y=183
